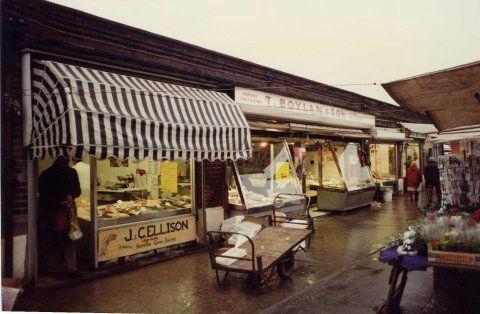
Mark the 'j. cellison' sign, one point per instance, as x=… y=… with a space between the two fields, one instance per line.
x=114 y=243
x=265 y=104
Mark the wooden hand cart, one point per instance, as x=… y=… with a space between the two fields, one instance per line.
x=273 y=248
x=293 y=212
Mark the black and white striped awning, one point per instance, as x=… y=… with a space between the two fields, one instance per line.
x=79 y=111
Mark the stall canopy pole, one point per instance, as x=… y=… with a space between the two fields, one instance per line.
x=31 y=250
x=93 y=211
x=204 y=213
x=26 y=98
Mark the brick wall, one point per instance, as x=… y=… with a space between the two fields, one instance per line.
x=14 y=157
x=215 y=184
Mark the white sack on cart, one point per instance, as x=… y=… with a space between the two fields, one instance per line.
x=230 y=223
x=236 y=224
x=233 y=252
x=295 y=224
x=249 y=229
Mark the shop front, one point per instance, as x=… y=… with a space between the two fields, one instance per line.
x=135 y=144
x=383 y=158
x=447 y=238
x=291 y=133
x=412 y=152
x=386 y=153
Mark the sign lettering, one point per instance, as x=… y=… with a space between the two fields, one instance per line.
x=313 y=112
x=114 y=243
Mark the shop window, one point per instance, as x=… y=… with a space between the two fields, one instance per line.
x=383 y=161
x=266 y=174
x=412 y=153
x=342 y=168
x=331 y=177
x=312 y=174
x=356 y=175
x=134 y=191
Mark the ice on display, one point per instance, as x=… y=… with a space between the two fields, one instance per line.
x=142 y=188
x=342 y=168
x=266 y=174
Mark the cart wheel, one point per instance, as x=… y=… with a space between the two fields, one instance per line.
x=285 y=268
x=257 y=283
x=252 y=281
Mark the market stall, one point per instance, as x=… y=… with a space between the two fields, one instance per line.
x=255 y=182
x=449 y=236
x=346 y=181
x=134 y=142
x=304 y=125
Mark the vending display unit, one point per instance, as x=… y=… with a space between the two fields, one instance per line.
x=346 y=181
x=255 y=182
x=383 y=162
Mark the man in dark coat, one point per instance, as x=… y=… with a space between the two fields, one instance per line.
x=58 y=186
x=432 y=180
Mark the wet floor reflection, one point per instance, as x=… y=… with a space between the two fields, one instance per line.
x=188 y=284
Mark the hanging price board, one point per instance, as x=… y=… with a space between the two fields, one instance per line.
x=169 y=176
x=282 y=170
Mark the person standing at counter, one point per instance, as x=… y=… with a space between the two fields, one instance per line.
x=414 y=178
x=432 y=180
x=58 y=187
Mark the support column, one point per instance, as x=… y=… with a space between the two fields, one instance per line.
x=31 y=259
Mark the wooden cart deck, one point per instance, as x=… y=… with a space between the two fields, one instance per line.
x=274 y=247
x=272 y=243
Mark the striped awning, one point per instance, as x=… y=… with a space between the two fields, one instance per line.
x=80 y=111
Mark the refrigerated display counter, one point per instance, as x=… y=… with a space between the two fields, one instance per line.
x=346 y=181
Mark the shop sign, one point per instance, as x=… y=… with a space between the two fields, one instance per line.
x=417 y=135
x=124 y=241
x=388 y=134
x=260 y=103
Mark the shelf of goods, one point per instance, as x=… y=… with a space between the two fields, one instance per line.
x=460 y=179
x=123 y=212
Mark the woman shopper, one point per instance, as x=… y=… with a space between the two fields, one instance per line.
x=414 y=177
x=58 y=187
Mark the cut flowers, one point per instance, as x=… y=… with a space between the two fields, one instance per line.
x=453 y=230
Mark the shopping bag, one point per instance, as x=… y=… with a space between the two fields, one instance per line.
x=74 y=233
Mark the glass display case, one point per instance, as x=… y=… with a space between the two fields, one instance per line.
x=129 y=191
x=346 y=181
x=383 y=159
x=312 y=170
x=255 y=182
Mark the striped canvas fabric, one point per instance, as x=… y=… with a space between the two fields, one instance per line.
x=80 y=111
